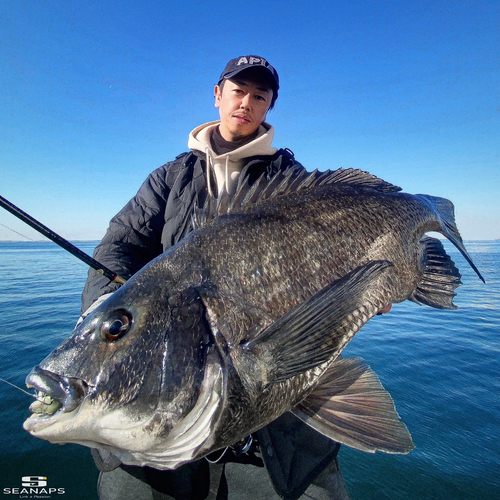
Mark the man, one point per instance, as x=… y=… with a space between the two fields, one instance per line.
x=224 y=153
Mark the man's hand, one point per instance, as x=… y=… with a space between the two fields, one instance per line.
x=95 y=305
x=385 y=309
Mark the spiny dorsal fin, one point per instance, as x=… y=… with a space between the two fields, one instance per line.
x=283 y=184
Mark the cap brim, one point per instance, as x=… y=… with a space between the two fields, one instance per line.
x=272 y=78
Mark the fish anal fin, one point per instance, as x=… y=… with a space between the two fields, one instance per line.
x=351 y=406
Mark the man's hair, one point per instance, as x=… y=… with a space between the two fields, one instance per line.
x=256 y=77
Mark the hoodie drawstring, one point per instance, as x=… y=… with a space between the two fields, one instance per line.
x=227 y=173
x=209 y=162
x=208 y=159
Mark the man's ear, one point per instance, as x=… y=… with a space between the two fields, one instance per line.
x=218 y=95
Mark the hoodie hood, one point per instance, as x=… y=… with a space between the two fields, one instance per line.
x=227 y=166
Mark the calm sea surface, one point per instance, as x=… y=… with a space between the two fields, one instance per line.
x=441 y=367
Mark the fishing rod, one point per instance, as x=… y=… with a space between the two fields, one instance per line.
x=59 y=240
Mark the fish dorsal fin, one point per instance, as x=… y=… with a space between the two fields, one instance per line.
x=360 y=178
x=213 y=207
x=283 y=184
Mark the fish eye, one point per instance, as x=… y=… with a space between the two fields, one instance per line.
x=116 y=327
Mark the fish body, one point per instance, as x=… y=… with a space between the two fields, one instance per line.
x=245 y=319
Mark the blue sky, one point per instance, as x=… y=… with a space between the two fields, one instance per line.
x=97 y=94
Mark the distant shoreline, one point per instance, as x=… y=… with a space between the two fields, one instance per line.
x=46 y=241
x=92 y=241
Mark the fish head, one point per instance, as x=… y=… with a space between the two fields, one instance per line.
x=139 y=378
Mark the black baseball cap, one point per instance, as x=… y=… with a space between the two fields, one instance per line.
x=242 y=63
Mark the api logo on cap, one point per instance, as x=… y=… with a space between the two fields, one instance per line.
x=252 y=60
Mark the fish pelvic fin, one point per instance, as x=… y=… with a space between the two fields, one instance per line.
x=445 y=212
x=351 y=406
x=317 y=330
x=440 y=278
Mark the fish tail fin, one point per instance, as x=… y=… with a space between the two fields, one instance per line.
x=351 y=406
x=440 y=277
x=445 y=211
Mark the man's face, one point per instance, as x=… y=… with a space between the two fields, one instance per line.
x=243 y=106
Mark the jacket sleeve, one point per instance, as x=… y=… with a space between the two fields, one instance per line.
x=133 y=237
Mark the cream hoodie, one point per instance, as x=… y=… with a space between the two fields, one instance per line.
x=227 y=167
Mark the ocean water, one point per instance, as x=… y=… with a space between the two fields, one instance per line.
x=441 y=367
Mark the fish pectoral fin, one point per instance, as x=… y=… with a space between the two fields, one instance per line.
x=351 y=406
x=315 y=331
x=440 y=277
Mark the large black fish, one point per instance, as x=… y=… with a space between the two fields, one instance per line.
x=245 y=320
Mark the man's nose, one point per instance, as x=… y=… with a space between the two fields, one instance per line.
x=245 y=101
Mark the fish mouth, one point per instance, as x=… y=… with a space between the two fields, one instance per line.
x=56 y=395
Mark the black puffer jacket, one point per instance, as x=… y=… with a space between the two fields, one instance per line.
x=157 y=218
x=160 y=213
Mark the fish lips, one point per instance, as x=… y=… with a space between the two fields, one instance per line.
x=56 y=395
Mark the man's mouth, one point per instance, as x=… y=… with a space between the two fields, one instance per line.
x=242 y=119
